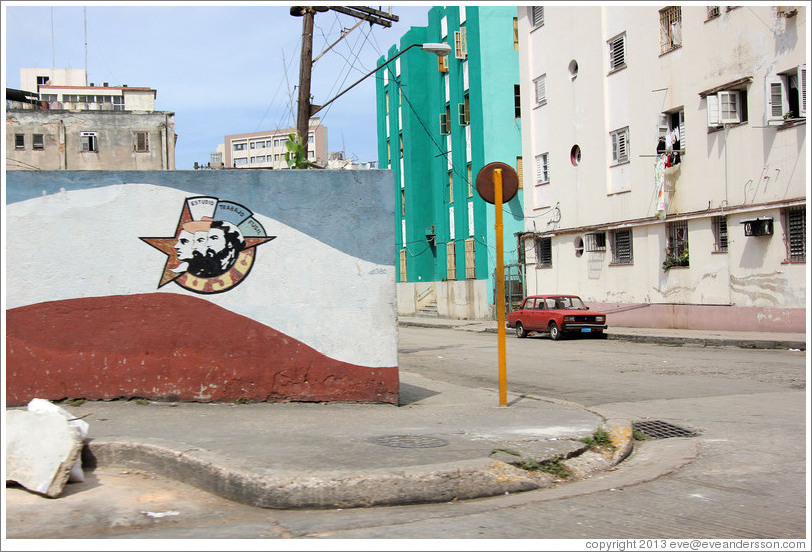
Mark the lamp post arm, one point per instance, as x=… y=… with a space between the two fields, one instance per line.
x=390 y=60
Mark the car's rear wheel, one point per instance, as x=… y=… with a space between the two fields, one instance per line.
x=520 y=331
x=555 y=332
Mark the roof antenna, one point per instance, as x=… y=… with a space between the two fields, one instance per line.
x=84 y=10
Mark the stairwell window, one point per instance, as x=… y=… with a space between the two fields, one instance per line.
x=794 y=220
x=544 y=253
x=622 y=252
x=470 y=259
x=617 y=52
x=670 y=29
x=451 y=261
x=620 y=145
x=540 y=86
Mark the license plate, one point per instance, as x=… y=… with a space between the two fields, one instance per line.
x=586 y=330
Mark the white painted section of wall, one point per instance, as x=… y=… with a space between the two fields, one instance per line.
x=88 y=246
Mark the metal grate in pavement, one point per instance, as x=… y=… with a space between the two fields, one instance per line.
x=657 y=429
x=410 y=441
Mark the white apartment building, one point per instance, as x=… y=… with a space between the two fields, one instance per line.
x=669 y=152
x=80 y=126
x=266 y=149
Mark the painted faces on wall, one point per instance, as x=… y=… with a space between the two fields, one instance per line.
x=208 y=248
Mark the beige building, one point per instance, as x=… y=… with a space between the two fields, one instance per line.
x=266 y=149
x=668 y=153
x=77 y=126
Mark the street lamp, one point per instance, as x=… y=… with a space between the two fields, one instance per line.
x=439 y=49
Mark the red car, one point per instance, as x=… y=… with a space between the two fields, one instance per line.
x=556 y=314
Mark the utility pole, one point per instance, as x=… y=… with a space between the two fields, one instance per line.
x=307 y=13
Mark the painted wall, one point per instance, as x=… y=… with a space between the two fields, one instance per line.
x=107 y=299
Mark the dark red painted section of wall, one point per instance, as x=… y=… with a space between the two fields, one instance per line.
x=172 y=347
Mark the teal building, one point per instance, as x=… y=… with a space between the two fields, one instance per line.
x=440 y=120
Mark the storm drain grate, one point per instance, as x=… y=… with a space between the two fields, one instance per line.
x=657 y=429
x=410 y=441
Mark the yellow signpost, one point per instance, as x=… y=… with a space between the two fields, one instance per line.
x=500 y=286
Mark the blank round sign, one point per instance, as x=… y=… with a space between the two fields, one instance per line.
x=484 y=182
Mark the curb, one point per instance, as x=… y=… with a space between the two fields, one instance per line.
x=640 y=338
x=444 y=482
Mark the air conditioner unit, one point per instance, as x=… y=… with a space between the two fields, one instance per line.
x=762 y=226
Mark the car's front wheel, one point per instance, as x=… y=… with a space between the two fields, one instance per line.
x=520 y=331
x=555 y=332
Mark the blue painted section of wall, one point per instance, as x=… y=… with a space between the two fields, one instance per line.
x=362 y=227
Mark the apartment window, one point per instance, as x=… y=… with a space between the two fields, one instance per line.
x=451 y=187
x=713 y=11
x=465 y=111
x=48 y=97
x=676 y=250
x=795 y=233
x=595 y=241
x=19 y=141
x=442 y=64
x=470 y=259
x=90 y=141
x=450 y=261
x=447 y=86
x=617 y=52
x=141 y=141
x=240 y=161
x=670 y=29
x=37 y=142
x=445 y=124
x=402 y=265
x=540 y=86
x=542 y=169
x=118 y=103
x=402 y=203
x=719 y=227
x=517 y=101
x=470 y=181
x=520 y=172
x=786 y=95
x=239 y=147
x=42 y=79
x=620 y=146
x=536 y=16
x=671 y=129
x=544 y=253
x=726 y=107
x=622 y=247
x=461 y=43
x=443 y=27
x=400 y=144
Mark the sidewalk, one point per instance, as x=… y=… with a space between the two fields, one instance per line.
x=444 y=442
x=700 y=338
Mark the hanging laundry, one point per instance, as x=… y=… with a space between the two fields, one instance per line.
x=669 y=140
x=659 y=183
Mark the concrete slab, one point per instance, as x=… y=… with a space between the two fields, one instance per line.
x=41 y=448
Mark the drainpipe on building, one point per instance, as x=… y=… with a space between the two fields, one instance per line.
x=164 y=147
x=63 y=141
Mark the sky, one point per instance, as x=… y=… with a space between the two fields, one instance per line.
x=221 y=68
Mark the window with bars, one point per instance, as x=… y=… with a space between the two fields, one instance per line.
x=719 y=226
x=676 y=250
x=542 y=169
x=540 y=86
x=595 y=241
x=620 y=145
x=670 y=29
x=450 y=261
x=795 y=233
x=141 y=141
x=38 y=142
x=544 y=253
x=470 y=259
x=713 y=11
x=536 y=16
x=19 y=141
x=622 y=252
x=617 y=52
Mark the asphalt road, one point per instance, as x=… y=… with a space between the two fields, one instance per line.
x=747 y=479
